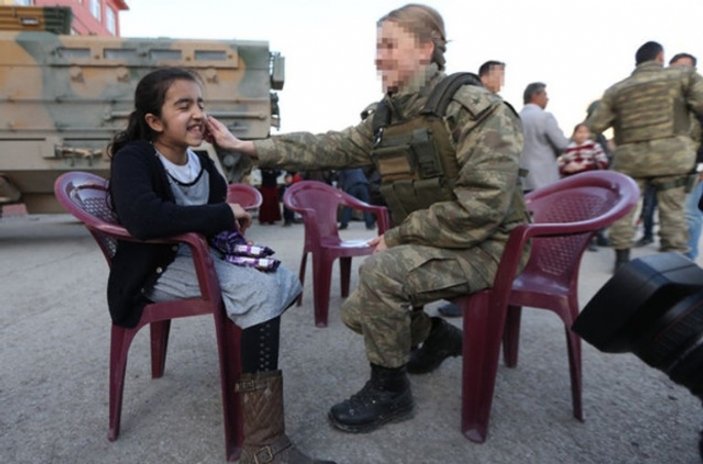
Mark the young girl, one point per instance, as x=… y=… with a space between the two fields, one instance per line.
x=582 y=154
x=160 y=187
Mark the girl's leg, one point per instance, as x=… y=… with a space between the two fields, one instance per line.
x=261 y=393
x=260 y=345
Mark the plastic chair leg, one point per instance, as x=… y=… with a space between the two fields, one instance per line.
x=483 y=327
x=120 y=340
x=511 y=335
x=159 y=345
x=301 y=275
x=573 y=343
x=228 y=349
x=345 y=274
x=322 y=277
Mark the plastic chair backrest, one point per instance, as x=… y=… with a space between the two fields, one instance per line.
x=320 y=199
x=589 y=200
x=246 y=195
x=86 y=197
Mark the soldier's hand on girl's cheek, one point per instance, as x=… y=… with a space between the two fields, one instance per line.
x=208 y=135
x=218 y=132
x=378 y=242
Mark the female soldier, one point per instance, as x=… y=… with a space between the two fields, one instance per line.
x=453 y=206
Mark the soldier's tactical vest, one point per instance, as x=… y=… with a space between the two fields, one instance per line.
x=651 y=109
x=417 y=158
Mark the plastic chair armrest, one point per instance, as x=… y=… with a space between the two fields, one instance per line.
x=204 y=267
x=380 y=212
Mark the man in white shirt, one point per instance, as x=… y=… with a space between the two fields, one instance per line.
x=544 y=140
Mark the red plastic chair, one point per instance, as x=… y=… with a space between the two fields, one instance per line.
x=317 y=203
x=247 y=196
x=566 y=214
x=85 y=196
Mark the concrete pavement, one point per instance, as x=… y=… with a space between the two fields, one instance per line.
x=54 y=340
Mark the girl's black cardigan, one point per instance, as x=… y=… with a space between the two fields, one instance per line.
x=142 y=198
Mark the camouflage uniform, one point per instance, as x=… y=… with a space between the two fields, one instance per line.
x=649 y=112
x=447 y=250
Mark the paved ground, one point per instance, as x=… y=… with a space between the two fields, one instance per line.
x=54 y=333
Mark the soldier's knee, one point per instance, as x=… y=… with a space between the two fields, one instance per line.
x=351 y=314
x=369 y=269
x=380 y=269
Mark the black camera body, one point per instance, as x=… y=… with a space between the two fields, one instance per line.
x=652 y=307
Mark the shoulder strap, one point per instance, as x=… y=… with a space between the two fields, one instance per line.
x=443 y=93
x=436 y=104
x=381 y=118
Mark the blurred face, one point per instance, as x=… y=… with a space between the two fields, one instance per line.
x=683 y=62
x=182 y=121
x=581 y=134
x=540 y=99
x=399 y=55
x=495 y=79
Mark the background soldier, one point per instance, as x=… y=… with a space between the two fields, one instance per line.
x=649 y=112
x=694 y=216
x=450 y=227
x=492 y=75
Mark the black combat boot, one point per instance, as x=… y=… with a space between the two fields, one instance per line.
x=450 y=310
x=622 y=257
x=444 y=341
x=384 y=398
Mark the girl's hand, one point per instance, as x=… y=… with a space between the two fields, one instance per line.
x=379 y=243
x=219 y=135
x=242 y=218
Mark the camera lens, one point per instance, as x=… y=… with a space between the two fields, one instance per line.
x=672 y=333
x=652 y=307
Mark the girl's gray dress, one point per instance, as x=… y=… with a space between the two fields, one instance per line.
x=250 y=296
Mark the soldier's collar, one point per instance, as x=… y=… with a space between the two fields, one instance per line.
x=419 y=82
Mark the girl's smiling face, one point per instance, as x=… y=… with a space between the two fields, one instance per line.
x=182 y=121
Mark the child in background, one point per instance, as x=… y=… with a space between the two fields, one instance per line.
x=582 y=154
x=160 y=187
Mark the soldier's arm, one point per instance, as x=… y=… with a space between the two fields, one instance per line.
x=332 y=150
x=489 y=143
x=695 y=94
x=602 y=117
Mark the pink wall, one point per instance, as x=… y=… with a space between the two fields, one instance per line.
x=84 y=22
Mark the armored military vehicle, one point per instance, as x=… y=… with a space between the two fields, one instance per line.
x=63 y=97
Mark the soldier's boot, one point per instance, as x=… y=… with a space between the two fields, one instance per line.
x=622 y=257
x=265 y=440
x=386 y=397
x=450 y=310
x=444 y=341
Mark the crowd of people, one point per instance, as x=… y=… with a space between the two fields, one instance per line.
x=656 y=117
x=454 y=161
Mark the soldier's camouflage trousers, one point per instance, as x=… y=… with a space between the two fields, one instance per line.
x=386 y=306
x=673 y=234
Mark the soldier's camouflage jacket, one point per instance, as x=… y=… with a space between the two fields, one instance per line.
x=489 y=201
x=650 y=116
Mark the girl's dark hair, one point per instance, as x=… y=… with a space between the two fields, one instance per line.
x=148 y=98
x=579 y=126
